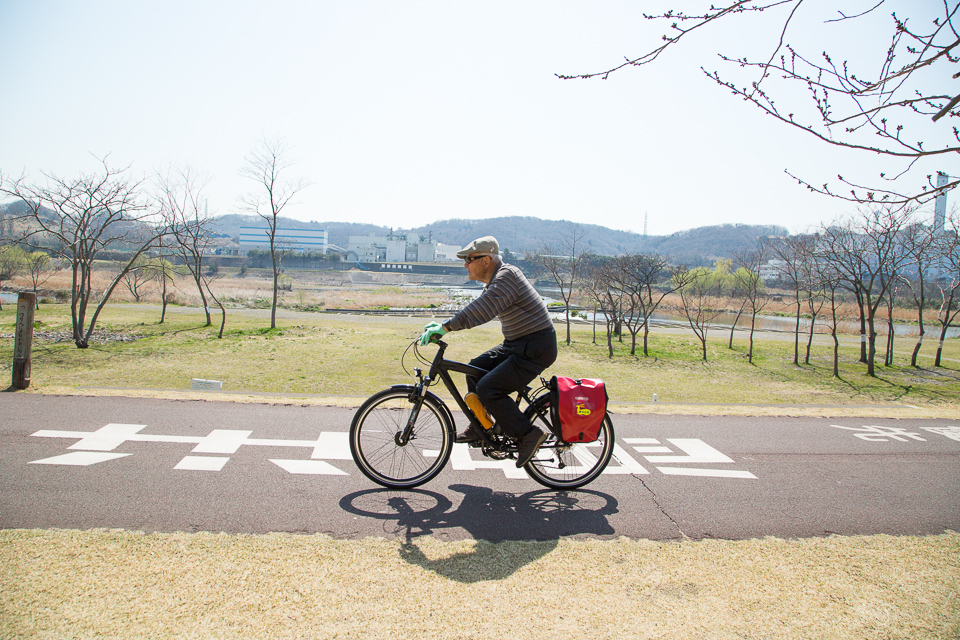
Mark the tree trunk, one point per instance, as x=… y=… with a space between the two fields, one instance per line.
x=163 y=297
x=916 y=348
x=863 y=330
x=836 y=351
x=609 y=341
x=813 y=321
x=943 y=333
x=223 y=311
x=921 y=304
x=276 y=288
x=796 y=335
x=871 y=347
x=734 y=327
x=888 y=356
x=203 y=297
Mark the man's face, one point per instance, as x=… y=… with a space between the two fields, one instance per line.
x=477 y=267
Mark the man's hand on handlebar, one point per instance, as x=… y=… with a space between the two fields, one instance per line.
x=432 y=331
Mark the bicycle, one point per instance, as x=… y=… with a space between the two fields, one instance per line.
x=402 y=437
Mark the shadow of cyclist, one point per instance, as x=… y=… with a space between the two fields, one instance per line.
x=537 y=519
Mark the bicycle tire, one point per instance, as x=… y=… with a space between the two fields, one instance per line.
x=559 y=465
x=374 y=446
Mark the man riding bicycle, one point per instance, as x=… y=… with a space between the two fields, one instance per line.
x=529 y=345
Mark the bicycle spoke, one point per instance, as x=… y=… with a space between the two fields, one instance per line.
x=374 y=440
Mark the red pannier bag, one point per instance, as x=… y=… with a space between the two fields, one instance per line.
x=577 y=407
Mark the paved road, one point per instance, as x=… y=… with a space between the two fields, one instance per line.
x=170 y=465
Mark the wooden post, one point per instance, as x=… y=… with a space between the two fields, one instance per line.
x=23 y=341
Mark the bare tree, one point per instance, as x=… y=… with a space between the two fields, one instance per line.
x=39 y=268
x=860 y=251
x=811 y=282
x=137 y=277
x=93 y=214
x=832 y=283
x=704 y=294
x=919 y=243
x=563 y=264
x=646 y=280
x=182 y=197
x=599 y=284
x=268 y=165
x=948 y=282
x=877 y=110
x=163 y=274
x=894 y=288
x=793 y=254
x=751 y=286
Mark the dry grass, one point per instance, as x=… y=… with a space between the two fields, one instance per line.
x=58 y=584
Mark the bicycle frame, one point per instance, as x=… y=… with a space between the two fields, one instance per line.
x=441 y=368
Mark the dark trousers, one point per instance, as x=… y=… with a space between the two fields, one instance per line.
x=512 y=366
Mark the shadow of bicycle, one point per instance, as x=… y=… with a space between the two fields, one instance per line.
x=537 y=520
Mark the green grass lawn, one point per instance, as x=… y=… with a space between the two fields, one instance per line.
x=354 y=356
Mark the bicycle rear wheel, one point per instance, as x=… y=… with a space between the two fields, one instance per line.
x=375 y=439
x=559 y=465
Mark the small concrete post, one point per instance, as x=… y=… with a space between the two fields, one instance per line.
x=23 y=340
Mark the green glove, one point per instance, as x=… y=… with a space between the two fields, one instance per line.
x=432 y=329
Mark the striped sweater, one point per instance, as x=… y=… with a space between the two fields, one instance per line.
x=512 y=298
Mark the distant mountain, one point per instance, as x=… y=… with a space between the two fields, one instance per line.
x=701 y=246
x=21 y=208
x=521 y=235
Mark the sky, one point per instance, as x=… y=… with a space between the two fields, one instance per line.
x=402 y=113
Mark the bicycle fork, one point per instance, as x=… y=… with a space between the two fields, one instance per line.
x=420 y=391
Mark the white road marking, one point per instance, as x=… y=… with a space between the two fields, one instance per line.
x=698 y=452
x=706 y=473
x=335 y=445
x=81 y=458
x=202 y=463
x=309 y=467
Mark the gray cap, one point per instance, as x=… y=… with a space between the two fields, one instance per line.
x=486 y=244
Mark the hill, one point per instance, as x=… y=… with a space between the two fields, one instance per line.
x=520 y=234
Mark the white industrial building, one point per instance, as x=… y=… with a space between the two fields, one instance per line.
x=398 y=248
x=301 y=240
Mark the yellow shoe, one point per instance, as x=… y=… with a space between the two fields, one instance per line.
x=477 y=407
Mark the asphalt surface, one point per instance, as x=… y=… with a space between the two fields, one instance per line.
x=177 y=465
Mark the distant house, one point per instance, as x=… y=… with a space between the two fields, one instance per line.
x=300 y=240
x=772 y=269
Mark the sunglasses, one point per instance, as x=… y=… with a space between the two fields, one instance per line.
x=470 y=259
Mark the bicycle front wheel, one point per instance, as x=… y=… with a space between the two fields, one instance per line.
x=559 y=465
x=378 y=446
